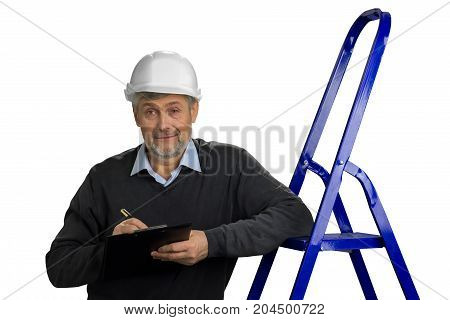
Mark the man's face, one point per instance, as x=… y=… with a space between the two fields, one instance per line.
x=166 y=124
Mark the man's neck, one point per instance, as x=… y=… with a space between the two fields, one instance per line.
x=165 y=166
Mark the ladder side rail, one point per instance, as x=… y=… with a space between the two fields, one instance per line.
x=386 y=232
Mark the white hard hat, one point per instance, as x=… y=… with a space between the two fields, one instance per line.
x=164 y=72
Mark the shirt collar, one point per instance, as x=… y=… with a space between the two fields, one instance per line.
x=189 y=159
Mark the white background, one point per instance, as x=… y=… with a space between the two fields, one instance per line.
x=63 y=65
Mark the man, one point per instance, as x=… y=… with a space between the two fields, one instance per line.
x=235 y=206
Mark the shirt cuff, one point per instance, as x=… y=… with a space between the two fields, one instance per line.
x=214 y=236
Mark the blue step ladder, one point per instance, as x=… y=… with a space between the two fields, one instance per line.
x=347 y=240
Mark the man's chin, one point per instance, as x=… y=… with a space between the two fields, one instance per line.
x=166 y=148
x=165 y=152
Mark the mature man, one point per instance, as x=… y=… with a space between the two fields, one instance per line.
x=235 y=206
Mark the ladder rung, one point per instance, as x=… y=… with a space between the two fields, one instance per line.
x=338 y=242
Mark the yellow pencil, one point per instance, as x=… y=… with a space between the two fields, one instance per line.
x=125 y=213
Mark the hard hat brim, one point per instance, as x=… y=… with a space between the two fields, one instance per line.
x=131 y=90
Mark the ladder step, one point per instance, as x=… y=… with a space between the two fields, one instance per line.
x=338 y=242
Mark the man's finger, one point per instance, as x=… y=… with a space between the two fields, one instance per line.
x=129 y=228
x=172 y=255
x=175 y=247
x=136 y=222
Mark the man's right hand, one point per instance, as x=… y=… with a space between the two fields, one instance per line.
x=129 y=226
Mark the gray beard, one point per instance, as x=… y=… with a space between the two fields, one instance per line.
x=167 y=154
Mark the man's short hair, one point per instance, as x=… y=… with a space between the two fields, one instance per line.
x=157 y=95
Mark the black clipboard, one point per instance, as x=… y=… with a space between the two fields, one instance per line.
x=128 y=254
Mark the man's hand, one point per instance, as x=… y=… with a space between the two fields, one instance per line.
x=187 y=252
x=129 y=226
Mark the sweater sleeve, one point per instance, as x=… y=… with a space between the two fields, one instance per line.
x=270 y=214
x=76 y=255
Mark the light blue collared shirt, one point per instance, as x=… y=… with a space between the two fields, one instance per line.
x=189 y=159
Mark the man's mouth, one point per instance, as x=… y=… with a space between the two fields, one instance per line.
x=166 y=137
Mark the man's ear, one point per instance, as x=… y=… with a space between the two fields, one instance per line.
x=136 y=118
x=194 y=111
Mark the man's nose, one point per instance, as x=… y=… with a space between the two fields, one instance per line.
x=163 y=122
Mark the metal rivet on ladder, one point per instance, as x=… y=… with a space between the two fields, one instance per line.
x=340 y=162
x=305 y=162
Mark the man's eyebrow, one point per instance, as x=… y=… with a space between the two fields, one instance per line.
x=172 y=103
x=167 y=104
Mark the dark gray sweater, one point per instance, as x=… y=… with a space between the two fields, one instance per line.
x=243 y=210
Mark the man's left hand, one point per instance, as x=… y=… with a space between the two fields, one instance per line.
x=187 y=252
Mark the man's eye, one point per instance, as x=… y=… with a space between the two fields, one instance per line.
x=174 y=110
